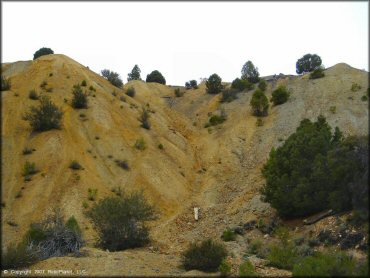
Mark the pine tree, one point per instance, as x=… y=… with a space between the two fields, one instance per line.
x=134 y=74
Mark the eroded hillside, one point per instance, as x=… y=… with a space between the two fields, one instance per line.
x=216 y=169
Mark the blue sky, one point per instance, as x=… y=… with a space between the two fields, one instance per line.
x=189 y=40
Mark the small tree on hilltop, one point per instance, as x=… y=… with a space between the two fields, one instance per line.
x=135 y=74
x=156 y=76
x=259 y=103
x=112 y=77
x=250 y=72
x=45 y=117
x=213 y=84
x=41 y=52
x=79 y=99
x=194 y=84
x=308 y=63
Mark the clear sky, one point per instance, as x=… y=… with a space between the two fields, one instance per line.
x=189 y=40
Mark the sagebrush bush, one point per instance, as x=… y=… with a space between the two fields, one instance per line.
x=33 y=95
x=241 y=84
x=122 y=163
x=228 y=95
x=280 y=95
x=283 y=256
x=224 y=268
x=329 y=265
x=45 y=117
x=29 y=169
x=121 y=221
x=259 y=103
x=178 y=92
x=205 y=256
x=83 y=83
x=355 y=87
x=17 y=256
x=228 y=235
x=79 y=100
x=27 y=151
x=246 y=269
x=5 y=84
x=131 y=91
x=74 y=165
x=262 y=85
x=53 y=238
x=91 y=194
x=140 y=144
x=144 y=118
x=317 y=73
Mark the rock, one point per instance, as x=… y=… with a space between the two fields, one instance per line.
x=238 y=230
x=250 y=225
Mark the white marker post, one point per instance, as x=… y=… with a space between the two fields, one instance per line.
x=196 y=210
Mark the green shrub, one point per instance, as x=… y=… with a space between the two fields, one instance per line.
x=33 y=95
x=228 y=235
x=257 y=247
x=74 y=165
x=317 y=73
x=178 y=92
x=140 y=144
x=364 y=98
x=91 y=88
x=112 y=77
x=215 y=120
x=326 y=264
x=262 y=85
x=144 y=118
x=241 y=85
x=160 y=146
x=17 y=256
x=27 y=151
x=122 y=163
x=283 y=256
x=72 y=224
x=121 y=221
x=45 y=117
x=355 y=87
x=224 y=268
x=5 y=84
x=156 y=76
x=91 y=194
x=29 y=169
x=41 y=52
x=83 y=83
x=131 y=91
x=259 y=103
x=246 y=269
x=213 y=84
x=280 y=95
x=205 y=256
x=259 y=122
x=43 y=85
x=79 y=99
x=228 y=95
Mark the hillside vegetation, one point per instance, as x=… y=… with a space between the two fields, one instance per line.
x=150 y=140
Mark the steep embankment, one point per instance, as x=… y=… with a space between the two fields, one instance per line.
x=216 y=169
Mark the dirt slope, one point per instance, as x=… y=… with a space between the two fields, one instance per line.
x=216 y=169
